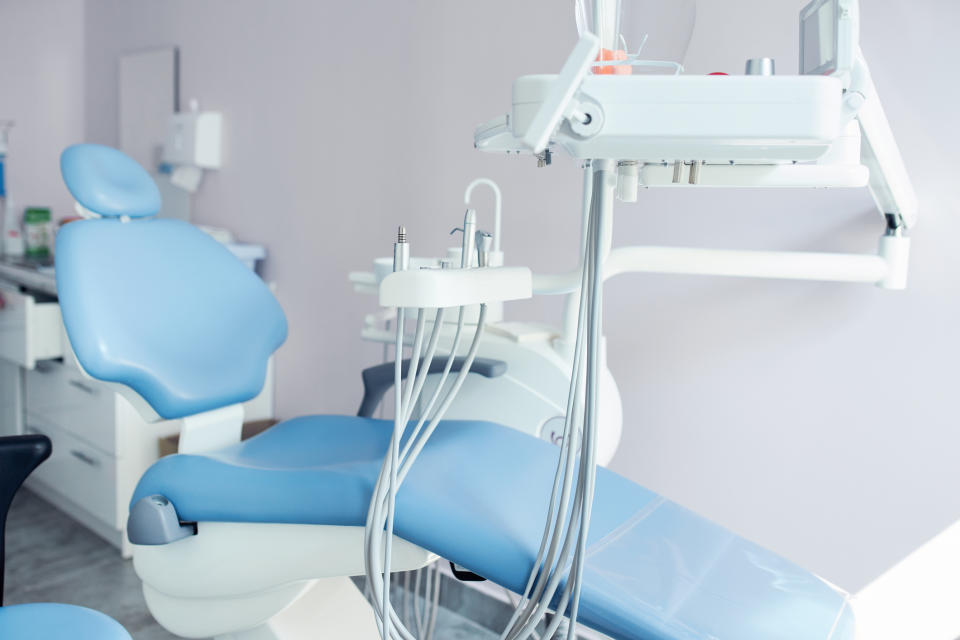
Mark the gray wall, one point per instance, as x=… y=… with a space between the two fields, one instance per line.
x=817 y=419
x=41 y=88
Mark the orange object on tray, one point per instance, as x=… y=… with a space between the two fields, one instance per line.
x=607 y=69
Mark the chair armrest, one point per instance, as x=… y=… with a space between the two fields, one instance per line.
x=19 y=456
x=378 y=379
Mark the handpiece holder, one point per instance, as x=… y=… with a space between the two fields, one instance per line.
x=436 y=288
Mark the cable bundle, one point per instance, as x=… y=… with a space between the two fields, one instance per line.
x=425 y=617
x=378 y=534
x=562 y=552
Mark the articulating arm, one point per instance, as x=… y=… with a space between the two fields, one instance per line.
x=889 y=182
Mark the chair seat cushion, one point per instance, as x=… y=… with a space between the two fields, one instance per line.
x=478 y=496
x=57 y=622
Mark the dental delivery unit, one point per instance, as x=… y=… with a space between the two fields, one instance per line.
x=492 y=459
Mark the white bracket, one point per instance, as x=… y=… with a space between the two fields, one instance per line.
x=557 y=103
x=211 y=430
x=889 y=182
x=436 y=288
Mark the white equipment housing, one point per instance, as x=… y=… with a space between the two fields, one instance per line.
x=720 y=130
x=750 y=131
x=751 y=119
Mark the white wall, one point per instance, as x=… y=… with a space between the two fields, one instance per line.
x=816 y=419
x=41 y=88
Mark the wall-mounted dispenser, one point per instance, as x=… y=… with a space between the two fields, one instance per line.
x=193 y=143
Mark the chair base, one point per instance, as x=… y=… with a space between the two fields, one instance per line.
x=252 y=581
x=329 y=608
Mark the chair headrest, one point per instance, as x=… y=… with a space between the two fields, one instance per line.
x=108 y=182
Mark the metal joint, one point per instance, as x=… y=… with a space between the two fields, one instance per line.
x=544 y=158
x=895 y=226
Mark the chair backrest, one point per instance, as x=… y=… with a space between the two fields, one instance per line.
x=158 y=305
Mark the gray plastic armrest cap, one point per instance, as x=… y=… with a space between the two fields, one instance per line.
x=153 y=521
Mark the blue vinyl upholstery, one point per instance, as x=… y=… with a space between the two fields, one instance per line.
x=57 y=622
x=478 y=496
x=158 y=305
x=109 y=182
x=165 y=309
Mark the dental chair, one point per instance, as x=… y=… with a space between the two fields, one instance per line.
x=19 y=456
x=256 y=540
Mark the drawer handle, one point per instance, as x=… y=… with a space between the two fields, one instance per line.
x=84 y=458
x=86 y=388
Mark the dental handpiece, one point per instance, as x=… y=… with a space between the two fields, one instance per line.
x=469 y=229
x=401 y=251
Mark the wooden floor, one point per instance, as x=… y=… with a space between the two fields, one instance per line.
x=50 y=558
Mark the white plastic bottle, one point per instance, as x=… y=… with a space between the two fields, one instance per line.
x=13 y=246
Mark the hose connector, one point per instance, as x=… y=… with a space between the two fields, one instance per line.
x=484 y=242
x=401 y=250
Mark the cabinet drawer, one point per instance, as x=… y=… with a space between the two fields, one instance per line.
x=60 y=396
x=29 y=329
x=80 y=472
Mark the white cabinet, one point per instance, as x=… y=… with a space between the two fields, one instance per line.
x=60 y=395
x=30 y=327
x=101 y=446
x=80 y=473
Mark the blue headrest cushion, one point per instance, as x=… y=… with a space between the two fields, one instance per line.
x=109 y=182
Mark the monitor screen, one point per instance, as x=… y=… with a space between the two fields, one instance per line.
x=818 y=35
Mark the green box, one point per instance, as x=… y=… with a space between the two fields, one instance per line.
x=38 y=232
